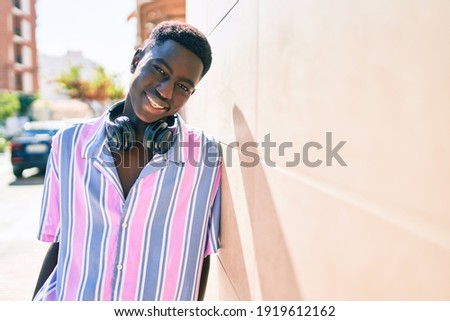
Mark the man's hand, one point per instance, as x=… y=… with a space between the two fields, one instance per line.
x=47 y=267
x=203 y=279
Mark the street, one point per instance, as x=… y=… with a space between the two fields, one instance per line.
x=21 y=254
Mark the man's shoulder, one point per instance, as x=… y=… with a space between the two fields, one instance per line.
x=209 y=145
x=198 y=134
x=78 y=131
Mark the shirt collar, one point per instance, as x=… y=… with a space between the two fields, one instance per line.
x=177 y=152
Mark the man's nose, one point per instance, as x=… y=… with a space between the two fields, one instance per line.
x=165 y=89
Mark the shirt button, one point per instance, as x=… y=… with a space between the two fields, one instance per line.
x=119 y=266
x=124 y=225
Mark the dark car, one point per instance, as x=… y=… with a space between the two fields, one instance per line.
x=30 y=147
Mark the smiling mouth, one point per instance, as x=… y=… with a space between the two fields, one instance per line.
x=154 y=104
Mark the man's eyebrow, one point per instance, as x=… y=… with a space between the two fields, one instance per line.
x=163 y=62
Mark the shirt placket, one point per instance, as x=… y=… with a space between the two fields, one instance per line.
x=155 y=165
x=120 y=250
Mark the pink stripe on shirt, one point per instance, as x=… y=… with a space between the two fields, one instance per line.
x=177 y=230
x=136 y=233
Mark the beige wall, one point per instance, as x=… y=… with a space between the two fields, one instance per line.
x=375 y=74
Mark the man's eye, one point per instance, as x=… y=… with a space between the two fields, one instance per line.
x=159 y=70
x=183 y=87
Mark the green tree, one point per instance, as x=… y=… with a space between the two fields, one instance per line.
x=25 y=101
x=9 y=105
x=97 y=91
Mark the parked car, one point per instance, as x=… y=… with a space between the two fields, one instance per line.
x=30 y=147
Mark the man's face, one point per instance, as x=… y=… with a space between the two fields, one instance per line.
x=164 y=77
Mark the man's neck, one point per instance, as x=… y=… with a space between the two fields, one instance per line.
x=138 y=124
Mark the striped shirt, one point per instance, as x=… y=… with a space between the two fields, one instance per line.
x=149 y=246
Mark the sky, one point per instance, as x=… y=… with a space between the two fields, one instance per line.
x=98 y=28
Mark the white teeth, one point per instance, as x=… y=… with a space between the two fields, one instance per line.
x=154 y=104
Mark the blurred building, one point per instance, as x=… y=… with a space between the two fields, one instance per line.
x=50 y=67
x=52 y=102
x=151 y=12
x=18 y=57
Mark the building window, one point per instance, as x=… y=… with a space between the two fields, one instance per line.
x=27 y=56
x=18 y=81
x=26 y=6
x=17 y=4
x=27 y=82
x=17 y=26
x=25 y=29
x=18 y=53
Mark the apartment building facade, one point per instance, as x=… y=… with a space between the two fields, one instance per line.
x=151 y=12
x=18 y=52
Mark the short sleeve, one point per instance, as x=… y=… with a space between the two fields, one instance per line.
x=49 y=224
x=212 y=240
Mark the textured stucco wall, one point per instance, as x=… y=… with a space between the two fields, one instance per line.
x=375 y=74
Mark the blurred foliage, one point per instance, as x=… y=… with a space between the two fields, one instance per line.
x=25 y=101
x=103 y=87
x=9 y=105
x=3 y=144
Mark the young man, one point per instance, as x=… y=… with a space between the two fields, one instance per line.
x=132 y=200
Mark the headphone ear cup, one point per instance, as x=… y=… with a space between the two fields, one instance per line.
x=120 y=133
x=114 y=134
x=127 y=131
x=158 y=137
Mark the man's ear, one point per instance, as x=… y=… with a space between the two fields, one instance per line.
x=136 y=58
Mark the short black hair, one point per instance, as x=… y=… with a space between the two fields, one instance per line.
x=186 y=35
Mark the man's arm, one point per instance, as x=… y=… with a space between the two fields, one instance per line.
x=203 y=279
x=51 y=258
